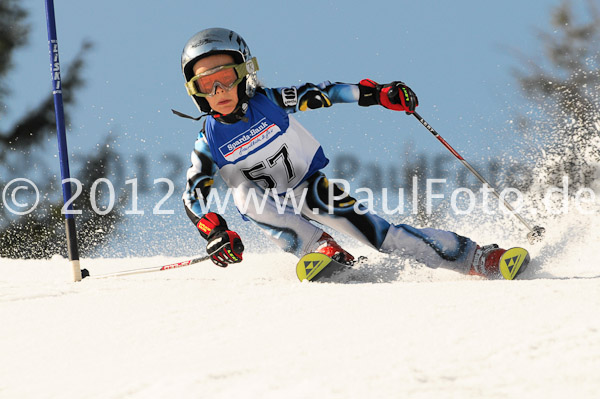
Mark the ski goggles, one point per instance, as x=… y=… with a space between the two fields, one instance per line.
x=225 y=76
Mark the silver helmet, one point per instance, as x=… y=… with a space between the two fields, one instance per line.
x=218 y=41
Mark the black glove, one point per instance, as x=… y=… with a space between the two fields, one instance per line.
x=224 y=246
x=395 y=95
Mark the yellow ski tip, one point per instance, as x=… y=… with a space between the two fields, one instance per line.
x=310 y=265
x=513 y=262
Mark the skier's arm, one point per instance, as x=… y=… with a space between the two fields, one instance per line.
x=199 y=180
x=311 y=96
x=224 y=245
x=396 y=95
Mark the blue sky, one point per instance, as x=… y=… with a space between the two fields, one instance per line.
x=455 y=55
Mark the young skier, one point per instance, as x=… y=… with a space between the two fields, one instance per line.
x=254 y=142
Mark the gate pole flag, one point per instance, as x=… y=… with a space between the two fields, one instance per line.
x=63 y=154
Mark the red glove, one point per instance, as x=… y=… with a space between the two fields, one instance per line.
x=395 y=95
x=224 y=246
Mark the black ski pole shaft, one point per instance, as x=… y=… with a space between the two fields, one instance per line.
x=535 y=232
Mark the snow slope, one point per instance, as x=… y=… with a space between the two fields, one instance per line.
x=390 y=329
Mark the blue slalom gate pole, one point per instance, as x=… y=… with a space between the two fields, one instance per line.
x=63 y=154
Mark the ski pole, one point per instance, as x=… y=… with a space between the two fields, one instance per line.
x=63 y=154
x=85 y=273
x=535 y=234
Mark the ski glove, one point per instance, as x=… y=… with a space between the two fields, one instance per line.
x=396 y=96
x=224 y=246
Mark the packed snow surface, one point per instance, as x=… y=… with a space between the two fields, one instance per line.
x=391 y=328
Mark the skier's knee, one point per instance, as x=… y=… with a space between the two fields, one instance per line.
x=328 y=196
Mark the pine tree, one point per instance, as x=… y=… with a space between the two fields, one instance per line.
x=565 y=86
x=41 y=233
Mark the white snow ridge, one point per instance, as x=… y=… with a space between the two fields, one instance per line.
x=392 y=329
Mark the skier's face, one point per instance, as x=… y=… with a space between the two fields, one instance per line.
x=224 y=101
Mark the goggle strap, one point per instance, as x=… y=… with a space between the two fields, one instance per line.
x=246 y=68
x=182 y=115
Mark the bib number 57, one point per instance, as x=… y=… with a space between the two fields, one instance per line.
x=256 y=172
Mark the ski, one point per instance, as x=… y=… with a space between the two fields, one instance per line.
x=316 y=266
x=513 y=262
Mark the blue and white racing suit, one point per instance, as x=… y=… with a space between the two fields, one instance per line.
x=270 y=152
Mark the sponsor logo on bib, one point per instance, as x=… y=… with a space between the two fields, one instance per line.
x=244 y=143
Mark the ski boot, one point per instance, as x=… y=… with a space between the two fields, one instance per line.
x=486 y=262
x=327 y=246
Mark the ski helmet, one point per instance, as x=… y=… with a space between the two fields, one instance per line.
x=218 y=41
